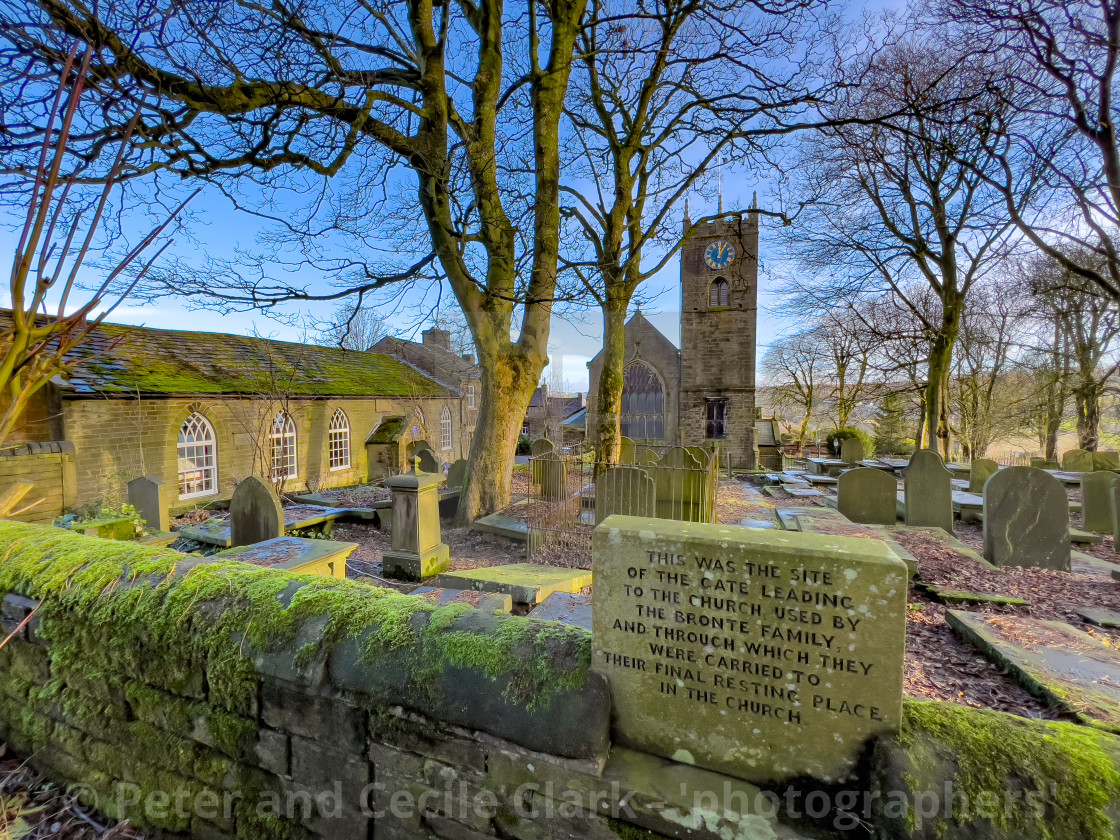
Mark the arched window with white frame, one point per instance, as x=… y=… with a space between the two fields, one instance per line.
x=282 y=445
x=198 y=458
x=445 y=427
x=338 y=440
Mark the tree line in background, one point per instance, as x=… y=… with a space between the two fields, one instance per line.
x=1037 y=348
x=523 y=157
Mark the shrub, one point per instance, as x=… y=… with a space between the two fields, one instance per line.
x=845 y=432
x=524 y=443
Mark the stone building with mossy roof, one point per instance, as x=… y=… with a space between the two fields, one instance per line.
x=201 y=411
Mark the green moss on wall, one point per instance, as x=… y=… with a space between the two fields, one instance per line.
x=1073 y=767
x=164 y=618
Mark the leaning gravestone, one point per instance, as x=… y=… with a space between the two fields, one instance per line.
x=1077 y=460
x=255 y=512
x=851 y=450
x=928 y=491
x=982 y=470
x=766 y=655
x=1026 y=520
x=150 y=498
x=626 y=451
x=457 y=473
x=552 y=471
x=868 y=496
x=1106 y=460
x=624 y=490
x=1096 y=501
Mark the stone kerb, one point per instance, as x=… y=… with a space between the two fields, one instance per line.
x=255 y=512
x=762 y=654
x=1026 y=520
x=928 y=491
x=624 y=490
x=868 y=496
x=981 y=470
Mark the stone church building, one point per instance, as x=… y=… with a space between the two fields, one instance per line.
x=702 y=394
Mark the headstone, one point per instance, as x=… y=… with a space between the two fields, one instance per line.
x=152 y=501
x=703 y=456
x=255 y=512
x=680 y=486
x=867 y=496
x=982 y=470
x=626 y=451
x=929 y=491
x=1096 y=501
x=649 y=457
x=536 y=449
x=1077 y=460
x=1114 y=496
x=766 y=655
x=626 y=490
x=1106 y=460
x=1043 y=464
x=426 y=459
x=1026 y=520
x=552 y=471
x=417 y=550
x=851 y=450
x=457 y=473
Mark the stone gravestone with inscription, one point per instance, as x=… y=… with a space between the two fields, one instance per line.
x=766 y=655
x=1026 y=520
x=868 y=496
x=255 y=512
x=851 y=450
x=1096 y=501
x=1077 y=460
x=982 y=469
x=928 y=491
x=626 y=490
x=552 y=476
x=537 y=448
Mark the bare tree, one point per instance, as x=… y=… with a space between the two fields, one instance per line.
x=52 y=317
x=663 y=91
x=792 y=368
x=353 y=327
x=450 y=109
x=902 y=203
x=1058 y=142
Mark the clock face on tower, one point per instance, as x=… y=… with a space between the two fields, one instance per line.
x=719 y=254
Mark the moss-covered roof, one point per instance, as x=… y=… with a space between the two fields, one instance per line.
x=126 y=359
x=389 y=430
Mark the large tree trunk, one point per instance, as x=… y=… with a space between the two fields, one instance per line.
x=920 y=434
x=508 y=382
x=1087 y=397
x=608 y=406
x=937 y=426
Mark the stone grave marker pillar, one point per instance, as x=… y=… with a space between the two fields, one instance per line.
x=1026 y=520
x=851 y=450
x=255 y=512
x=766 y=655
x=928 y=491
x=150 y=497
x=626 y=490
x=982 y=470
x=868 y=496
x=1096 y=500
x=418 y=551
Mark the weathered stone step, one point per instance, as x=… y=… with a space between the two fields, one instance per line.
x=526 y=582
x=1053 y=660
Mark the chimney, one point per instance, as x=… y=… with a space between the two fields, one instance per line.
x=438 y=338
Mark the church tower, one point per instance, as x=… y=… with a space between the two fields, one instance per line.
x=719 y=314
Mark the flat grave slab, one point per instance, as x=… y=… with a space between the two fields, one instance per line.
x=526 y=582
x=295 y=554
x=764 y=524
x=1101 y=618
x=1070 y=479
x=565 y=607
x=959 y=484
x=1053 y=660
x=958 y=469
x=804 y=518
x=804 y=492
x=1086 y=564
x=216 y=530
x=1076 y=535
x=963 y=596
x=822 y=479
x=503 y=525
x=486 y=601
x=945 y=540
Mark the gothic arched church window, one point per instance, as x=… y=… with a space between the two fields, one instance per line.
x=643 y=403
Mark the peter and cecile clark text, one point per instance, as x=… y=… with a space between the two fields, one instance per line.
x=753 y=638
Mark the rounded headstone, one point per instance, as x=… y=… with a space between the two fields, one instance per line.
x=1077 y=460
x=255 y=512
x=1026 y=519
x=868 y=496
x=982 y=469
x=928 y=491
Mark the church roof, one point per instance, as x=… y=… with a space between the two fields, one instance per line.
x=444 y=366
x=641 y=328
x=122 y=359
